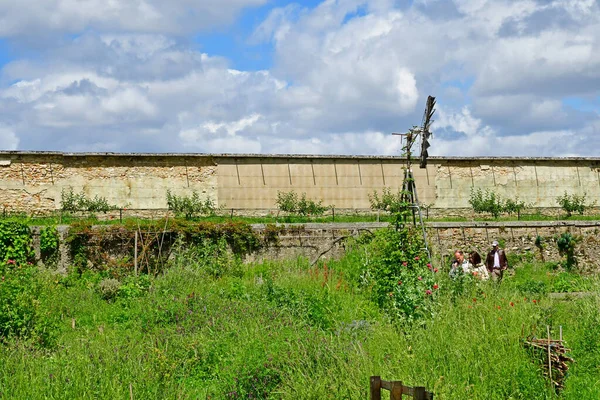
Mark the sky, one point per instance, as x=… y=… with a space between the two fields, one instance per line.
x=511 y=77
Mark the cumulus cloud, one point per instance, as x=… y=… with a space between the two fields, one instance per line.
x=32 y=18
x=345 y=74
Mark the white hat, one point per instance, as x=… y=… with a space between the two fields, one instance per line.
x=494 y=243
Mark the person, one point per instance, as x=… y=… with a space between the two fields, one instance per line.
x=460 y=265
x=496 y=262
x=479 y=270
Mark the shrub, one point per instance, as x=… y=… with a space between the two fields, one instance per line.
x=20 y=313
x=287 y=201
x=72 y=202
x=190 y=206
x=573 y=203
x=490 y=202
x=15 y=242
x=393 y=203
x=290 y=202
x=514 y=206
x=486 y=202
x=109 y=288
x=566 y=247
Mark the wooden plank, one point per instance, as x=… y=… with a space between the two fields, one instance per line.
x=396 y=392
x=375 y=388
x=387 y=385
x=419 y=393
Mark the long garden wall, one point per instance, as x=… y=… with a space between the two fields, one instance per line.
x=33 y=181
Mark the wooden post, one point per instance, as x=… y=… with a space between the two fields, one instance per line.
x=419 y=393
x=333 y=213
x=396 y=390
x=120 y=215
x=135 y=257
x=375 y=388
x=549 y=357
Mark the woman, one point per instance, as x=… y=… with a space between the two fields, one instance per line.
x=479 y=270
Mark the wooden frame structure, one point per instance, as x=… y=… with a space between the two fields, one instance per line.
x=397 y=389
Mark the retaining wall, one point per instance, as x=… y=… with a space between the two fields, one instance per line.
x=327 y=241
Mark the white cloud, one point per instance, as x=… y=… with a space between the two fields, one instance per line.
x=35 y=17
x=346 y=74
x=8 y=138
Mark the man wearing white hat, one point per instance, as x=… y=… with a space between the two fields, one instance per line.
x=496 y=261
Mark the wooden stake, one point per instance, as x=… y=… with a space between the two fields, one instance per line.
x=549 y=357
x=135 y=257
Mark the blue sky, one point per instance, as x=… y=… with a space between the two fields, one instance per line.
x=512 y=77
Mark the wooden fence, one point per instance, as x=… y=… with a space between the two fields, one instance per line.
x=397 y=389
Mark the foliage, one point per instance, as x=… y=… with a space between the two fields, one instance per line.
x=486 y=202
x=21 y=316
x=73 y=202
x=190 y=206
x=573 y=203
x=49 y=240
x=396 y=272
x=566 y=246
x=15 y=242
x=515 y=206
x=90 y=245
x=289 y=202
x=109 y=288
x=393 y=203
x=489 y=202
x=284 y=329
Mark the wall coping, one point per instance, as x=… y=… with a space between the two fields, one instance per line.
x=294 y=156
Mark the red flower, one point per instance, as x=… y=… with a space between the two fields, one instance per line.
x=391 y=294
x=498 y=307
x=534 y=301
x=417 y=258
x=419 y=278
x=436 y=286
x=435 y=270
x=474 y=273
x=404 y=264
x=428 y=292
x=10 y=261
x=512 y=304
x=429 y=266
x=474 y=300
x=399 y=282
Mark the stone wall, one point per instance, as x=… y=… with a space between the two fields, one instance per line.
x=517 y=238
x=328 y=241
x=32 y=182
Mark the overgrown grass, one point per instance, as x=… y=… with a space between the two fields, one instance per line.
x=286 y=330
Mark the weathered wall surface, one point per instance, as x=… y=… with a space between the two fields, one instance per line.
x=517 y=238
x=535 y=181
x=33 y=182
x=316 y=241
x=346 y=182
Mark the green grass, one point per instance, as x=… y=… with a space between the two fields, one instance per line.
x=284 y=330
